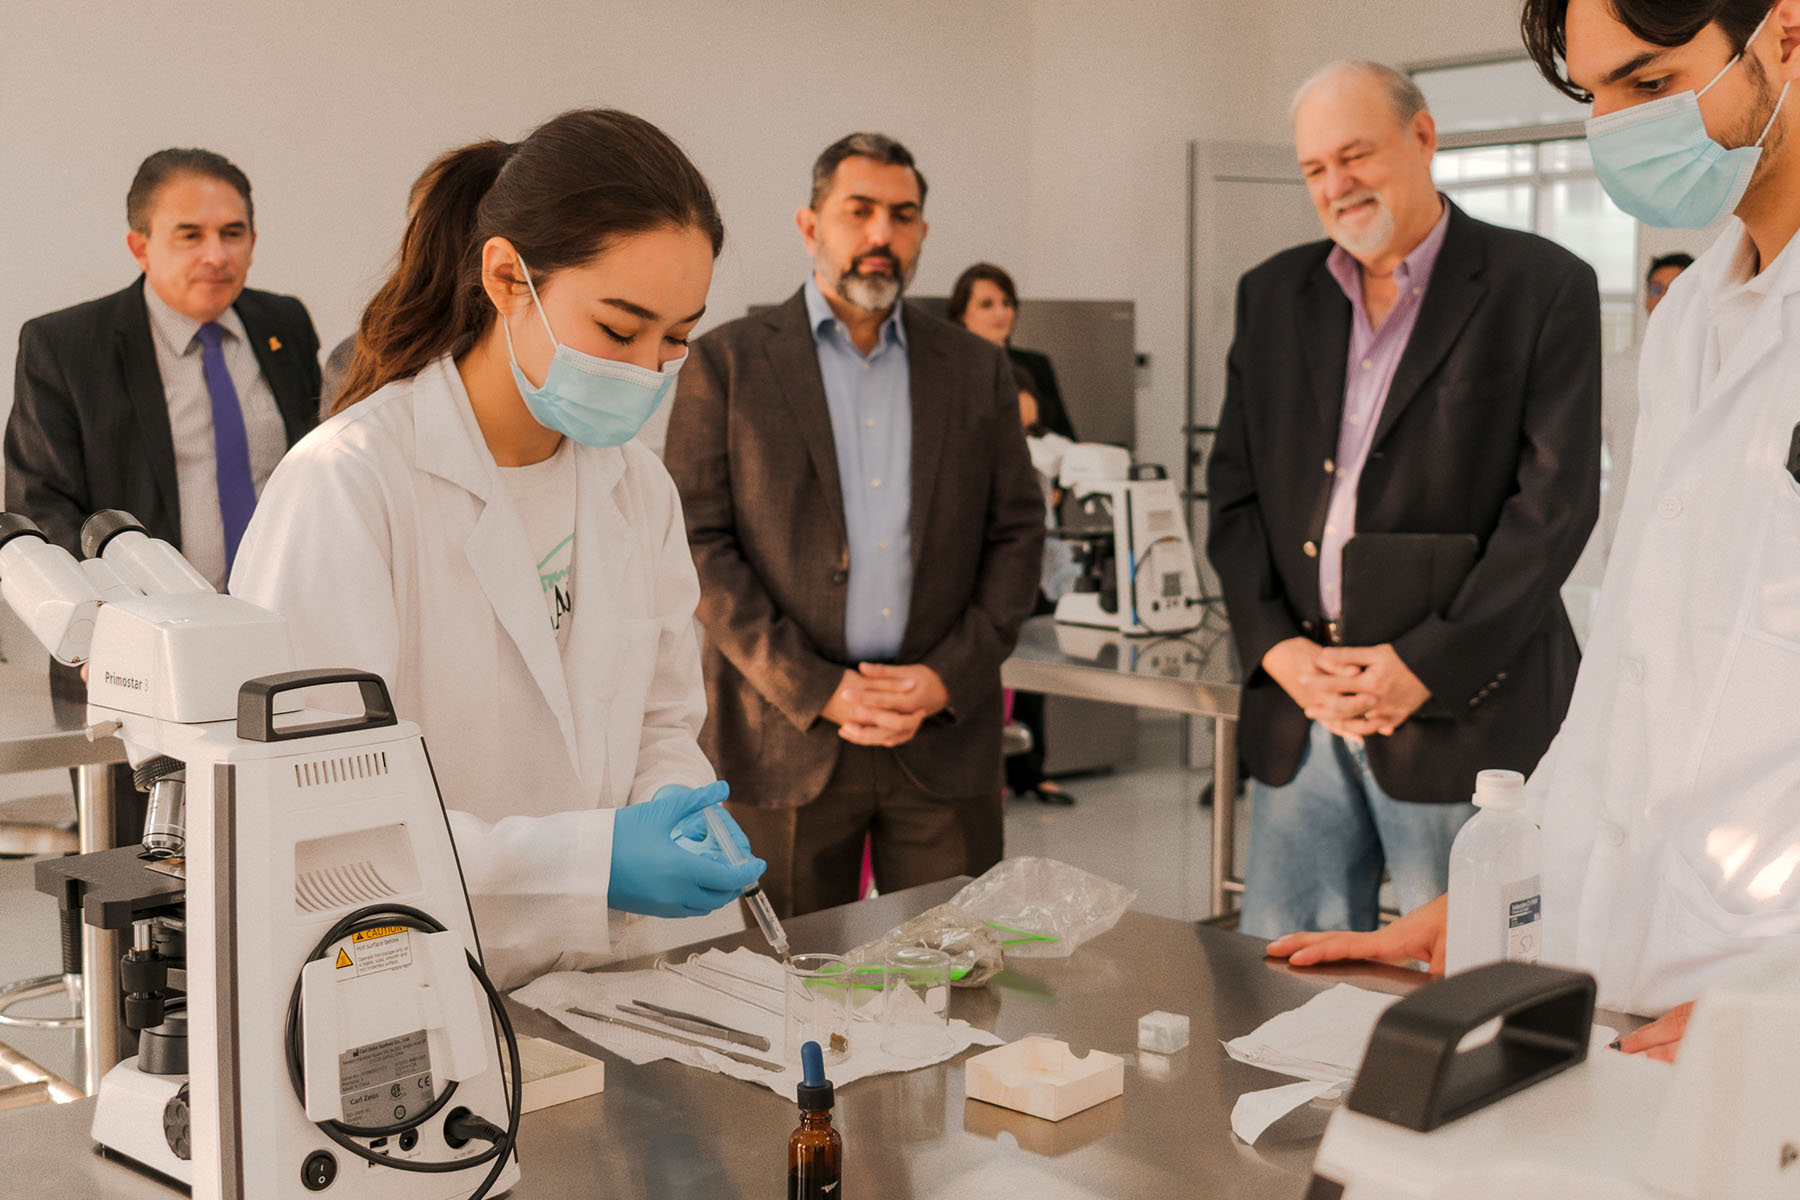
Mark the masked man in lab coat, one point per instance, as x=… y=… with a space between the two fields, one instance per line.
x=1670 y=801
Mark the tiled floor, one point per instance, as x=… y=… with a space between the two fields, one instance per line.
x=1140 y=826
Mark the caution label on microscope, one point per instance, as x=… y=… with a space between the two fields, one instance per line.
x=386 y=949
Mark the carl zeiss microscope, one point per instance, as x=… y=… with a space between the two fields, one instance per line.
x=304 y=970
x=1138 y=574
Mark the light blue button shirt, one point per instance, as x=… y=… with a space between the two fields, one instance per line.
x=871 y=425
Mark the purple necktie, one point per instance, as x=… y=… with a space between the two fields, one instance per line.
x=231 y=446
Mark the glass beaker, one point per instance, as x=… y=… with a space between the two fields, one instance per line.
x=817 y=1005
x=915 y=1002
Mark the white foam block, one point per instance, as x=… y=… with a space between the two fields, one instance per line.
x=1162 y=1032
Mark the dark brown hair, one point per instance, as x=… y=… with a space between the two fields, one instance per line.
x=1659 y=22
x=878 y=146
x=965 y=288
x=165 y=165
x=563 y=195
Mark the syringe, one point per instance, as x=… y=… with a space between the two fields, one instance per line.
x=760 y=908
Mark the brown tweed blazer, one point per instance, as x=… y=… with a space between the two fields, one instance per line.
x=750 y=446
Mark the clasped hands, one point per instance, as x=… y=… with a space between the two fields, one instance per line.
x=879 y=704
x=1354 y=691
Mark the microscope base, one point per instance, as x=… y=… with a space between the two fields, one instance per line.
x=128 y=1118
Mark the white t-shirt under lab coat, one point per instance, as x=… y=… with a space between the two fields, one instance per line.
x=1670 y=800
x=390 y=542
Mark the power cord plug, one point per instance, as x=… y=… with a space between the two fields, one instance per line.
x=462 y=1126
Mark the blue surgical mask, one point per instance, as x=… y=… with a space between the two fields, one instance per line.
x=1659 y=164
x=595 y=401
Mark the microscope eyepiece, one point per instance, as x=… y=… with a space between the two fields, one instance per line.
x=103 y=527
x=14 y=525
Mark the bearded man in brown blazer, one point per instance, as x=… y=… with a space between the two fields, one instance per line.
x=867 y=530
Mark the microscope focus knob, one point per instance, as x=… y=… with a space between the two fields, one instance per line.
x=155 y=769
x=177 y=1121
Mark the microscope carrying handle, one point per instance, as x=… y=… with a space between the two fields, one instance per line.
x=1412 y=1074
x=256 y=704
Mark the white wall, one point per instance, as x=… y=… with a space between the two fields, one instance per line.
x=1116 y=94
x=333 y=108
x=1401 y=33
x=1054 y=132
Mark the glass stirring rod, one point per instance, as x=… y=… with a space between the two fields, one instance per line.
x=758 y=900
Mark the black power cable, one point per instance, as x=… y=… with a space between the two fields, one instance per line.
x=374 y=917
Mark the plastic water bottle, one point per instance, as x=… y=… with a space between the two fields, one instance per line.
x=1496 y=905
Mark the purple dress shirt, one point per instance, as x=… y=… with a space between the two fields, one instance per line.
x=1374 y=357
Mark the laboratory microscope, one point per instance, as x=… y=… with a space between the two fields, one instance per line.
x=1138 y=574
x=304 y=973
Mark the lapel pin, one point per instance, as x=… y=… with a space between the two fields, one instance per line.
x=274 y=344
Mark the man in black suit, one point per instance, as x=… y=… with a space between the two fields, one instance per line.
x=174 y=398
x=1421 y=372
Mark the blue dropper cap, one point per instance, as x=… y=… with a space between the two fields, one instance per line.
x=815 y=1092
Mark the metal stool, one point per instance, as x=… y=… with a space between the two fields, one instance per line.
x=38 y=826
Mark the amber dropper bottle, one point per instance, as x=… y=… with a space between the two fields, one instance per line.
x=815 y=1150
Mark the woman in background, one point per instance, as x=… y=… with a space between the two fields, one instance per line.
x=985 y=302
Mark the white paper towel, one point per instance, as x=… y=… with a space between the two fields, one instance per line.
x=1321 y=1042
x=604 y=991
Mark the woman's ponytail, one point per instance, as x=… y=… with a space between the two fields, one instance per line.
x=432 y=304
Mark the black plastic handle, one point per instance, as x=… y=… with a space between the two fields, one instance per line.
x=1412 y=1075
x=256 y=704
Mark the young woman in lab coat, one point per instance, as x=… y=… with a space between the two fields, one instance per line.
x=476 y=525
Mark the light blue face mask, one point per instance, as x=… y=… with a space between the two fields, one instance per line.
x=1659 y=164
x=595 y=401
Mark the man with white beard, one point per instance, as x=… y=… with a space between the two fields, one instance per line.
x=1419 y=373
x=867 y=529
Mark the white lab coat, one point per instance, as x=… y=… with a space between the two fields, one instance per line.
x=1670 y=801
x=390 y=542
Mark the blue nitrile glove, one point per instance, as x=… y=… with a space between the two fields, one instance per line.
x=653 y=875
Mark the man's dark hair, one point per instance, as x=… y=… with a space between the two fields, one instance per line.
x=1678 y=260
x=165 y=165
x=878 y=146
x=1659 y=22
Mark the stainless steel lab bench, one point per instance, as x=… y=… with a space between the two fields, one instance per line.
x=664 y=1130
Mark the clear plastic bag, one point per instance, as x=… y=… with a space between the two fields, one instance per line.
x=1043 y=908
x=974 y=948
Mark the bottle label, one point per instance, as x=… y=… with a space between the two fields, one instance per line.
x=1524 y=920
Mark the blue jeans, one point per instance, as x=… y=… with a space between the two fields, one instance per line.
x=1318 y=844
